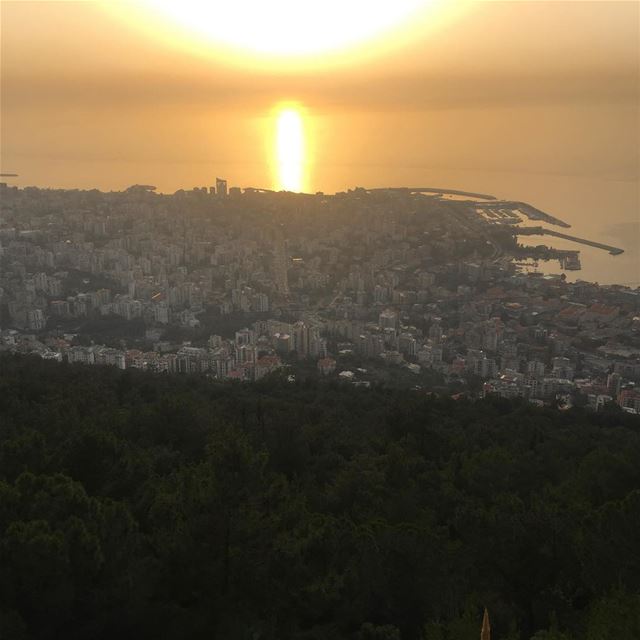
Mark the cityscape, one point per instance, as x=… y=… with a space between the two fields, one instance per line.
x=320 y=320
x=433 y=290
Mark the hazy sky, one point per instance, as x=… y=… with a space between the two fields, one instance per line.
x=92 y=99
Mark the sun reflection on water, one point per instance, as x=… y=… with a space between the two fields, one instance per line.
x=290 y=149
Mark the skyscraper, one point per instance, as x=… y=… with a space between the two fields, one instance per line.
x=221 y=187
x=280 y=265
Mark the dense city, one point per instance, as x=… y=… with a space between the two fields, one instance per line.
x=426 y=289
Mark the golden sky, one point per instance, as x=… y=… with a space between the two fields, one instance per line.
x=97 y=97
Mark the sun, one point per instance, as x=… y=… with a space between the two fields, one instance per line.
x=290 y=31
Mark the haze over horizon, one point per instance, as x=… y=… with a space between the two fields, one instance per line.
x=92 y=100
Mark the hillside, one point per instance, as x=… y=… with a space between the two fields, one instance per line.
x=136 y=505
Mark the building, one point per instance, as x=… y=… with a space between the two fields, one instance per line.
x=326 y=366
x=245 y=337
x=221 y=187
x=614 y=384
x=36 y=319
x=266 y=365
x=280 y=275
x=388 y=319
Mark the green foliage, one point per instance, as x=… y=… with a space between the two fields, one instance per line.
x=434 y=631
x=550 y=635
x=615 y=617
x=369 y=631
x=151 y=506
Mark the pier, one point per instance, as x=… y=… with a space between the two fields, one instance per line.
x=541 y=231
x=448 y=192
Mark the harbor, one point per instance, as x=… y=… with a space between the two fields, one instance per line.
x=541 y=231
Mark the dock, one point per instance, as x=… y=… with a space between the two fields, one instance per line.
x=448 y=192
x=531 y=212
x=541 y=231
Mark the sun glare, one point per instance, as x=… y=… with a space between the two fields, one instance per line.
x=289 y=32
x=290 y=149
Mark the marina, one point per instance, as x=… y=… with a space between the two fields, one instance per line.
x=541 y=231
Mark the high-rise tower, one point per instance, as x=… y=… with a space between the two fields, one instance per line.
x=280 y=265
x=221 y=187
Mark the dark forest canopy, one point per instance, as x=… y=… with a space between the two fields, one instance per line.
x=142 y=506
